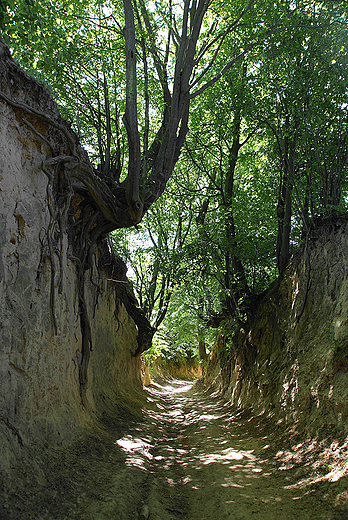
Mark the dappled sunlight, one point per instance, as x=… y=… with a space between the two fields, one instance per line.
x=225 y=456
x=199 y=453
x=136 y=449
x=176 y=389
x=333 y=475
x=172 y=386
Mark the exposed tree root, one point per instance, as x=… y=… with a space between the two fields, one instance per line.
x=86 y=207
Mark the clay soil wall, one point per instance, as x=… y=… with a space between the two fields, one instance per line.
x=290 y=360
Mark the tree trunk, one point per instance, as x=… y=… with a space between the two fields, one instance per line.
x=235 y=279
x=284 y=209
x=130 y=119
x=202 y=351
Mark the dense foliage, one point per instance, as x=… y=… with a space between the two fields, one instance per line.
x=247 y=100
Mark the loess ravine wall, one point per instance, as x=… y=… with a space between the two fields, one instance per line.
x=53 y=383
x=290 y=360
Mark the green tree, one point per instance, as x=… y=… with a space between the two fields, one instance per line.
x=258 y=93
x=155 y=254
x=176 y=45
x=302 y=84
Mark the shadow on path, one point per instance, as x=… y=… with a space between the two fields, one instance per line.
x=201 y=462
x=187 y=455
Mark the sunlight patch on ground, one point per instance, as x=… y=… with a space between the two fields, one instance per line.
x=337 y=473
x=333 y=476
x=232 y=484
x=324 y=465
x=208 y=417
x=226 y=455
x=136 y=449
x=177 y=389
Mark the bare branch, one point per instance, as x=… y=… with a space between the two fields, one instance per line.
x=227 y=67
x=206 y=45
x=210 y=64
x=222 y=36
x=160 y=68
x=230 y=64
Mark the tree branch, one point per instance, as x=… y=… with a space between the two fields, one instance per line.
x=131 y=118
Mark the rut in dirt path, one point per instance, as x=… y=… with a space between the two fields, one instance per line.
x=201 y=462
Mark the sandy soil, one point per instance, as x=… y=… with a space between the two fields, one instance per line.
x=188 y=456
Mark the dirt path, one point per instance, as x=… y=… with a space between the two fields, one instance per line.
x=186 y=456
x=201 y=463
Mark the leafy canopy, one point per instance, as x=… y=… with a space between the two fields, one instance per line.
x=235 y=113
